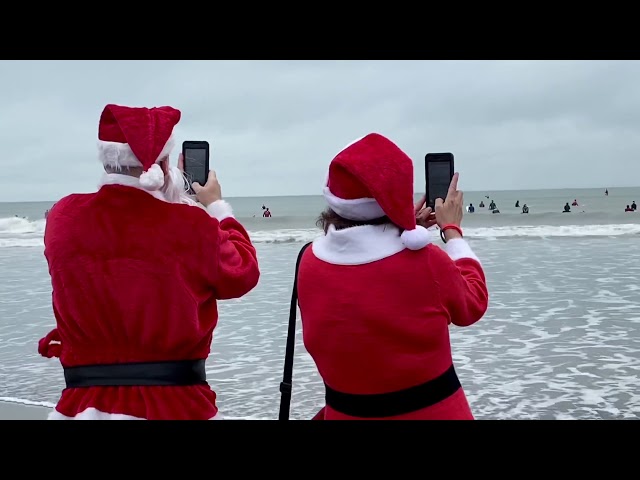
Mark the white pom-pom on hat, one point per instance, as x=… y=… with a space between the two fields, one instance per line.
x=152 y=179
x=417 y=238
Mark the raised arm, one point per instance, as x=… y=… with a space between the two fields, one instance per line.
x=237 y=271
x=461 y=281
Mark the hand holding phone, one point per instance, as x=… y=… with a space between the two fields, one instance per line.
x=209 y=192
x=449 y=210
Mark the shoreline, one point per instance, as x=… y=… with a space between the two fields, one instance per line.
x=22 y=411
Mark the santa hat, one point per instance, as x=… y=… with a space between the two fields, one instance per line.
x=372 y=178
x=137 y=137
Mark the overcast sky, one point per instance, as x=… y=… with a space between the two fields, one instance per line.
x=275 y=125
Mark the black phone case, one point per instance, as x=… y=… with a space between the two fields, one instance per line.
x=436 y=157
x=195 y=145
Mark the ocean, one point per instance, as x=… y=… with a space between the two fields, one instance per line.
x=561 y=339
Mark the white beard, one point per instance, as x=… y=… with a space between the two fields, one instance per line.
x=175 y=188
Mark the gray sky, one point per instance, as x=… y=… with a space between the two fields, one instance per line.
x=275 y=125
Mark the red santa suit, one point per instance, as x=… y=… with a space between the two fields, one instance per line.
x=376 y=303
x=136 y=278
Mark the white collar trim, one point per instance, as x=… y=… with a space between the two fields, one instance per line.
x=358 y=245
x=128 y=181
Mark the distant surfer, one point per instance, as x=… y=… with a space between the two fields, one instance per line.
x=492 y=205
x=517 y=203
x=471 y=208
x=267 y=213
x=525 y=209
x=606 y=193
x=634 y=206
x=575 y=203
x=628 y=209
x=567 y=208
x=481 y=204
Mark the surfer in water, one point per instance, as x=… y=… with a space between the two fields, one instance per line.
x=525 y=209
x=567 y=208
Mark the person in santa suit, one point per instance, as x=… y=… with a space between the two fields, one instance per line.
x=137 y=269
x=377 y=296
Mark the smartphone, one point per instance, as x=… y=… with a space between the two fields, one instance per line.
x=439 y=170
x=196 y=161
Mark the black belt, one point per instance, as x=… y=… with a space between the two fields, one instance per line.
x=147 y=374
x=395 y=403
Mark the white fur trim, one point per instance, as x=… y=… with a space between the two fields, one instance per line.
x=128 y=181
x=360 y=209
x=120 y=154
x=152 y=179
x=220 y=209
x=417 y=238
x=94 y=414
x=458 y=248
x=358 y=245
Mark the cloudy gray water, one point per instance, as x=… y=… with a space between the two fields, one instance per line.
x=561 y=338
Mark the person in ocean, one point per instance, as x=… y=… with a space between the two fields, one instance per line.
x=575 y=203
x=377 y=298
x=525 y=209
x=628 y=209
x=633 y=205
x=492 y=205
x=471 y=208
x=137 y=270
x=481 y=204
x=517 y=203
x=266 y=213
x=567 y=208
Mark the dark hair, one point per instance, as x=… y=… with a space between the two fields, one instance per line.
x=329 y=217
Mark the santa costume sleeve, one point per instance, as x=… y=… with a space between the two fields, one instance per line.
x=461 y=282
x=236 y=270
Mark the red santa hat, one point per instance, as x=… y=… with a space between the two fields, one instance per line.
x=372 y=178
x=137 y=137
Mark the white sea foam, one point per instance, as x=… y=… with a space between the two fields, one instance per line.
x=30 y=403
x=21 y=232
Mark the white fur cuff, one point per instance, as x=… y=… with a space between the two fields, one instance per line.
x=458 y=248
x=220 y=210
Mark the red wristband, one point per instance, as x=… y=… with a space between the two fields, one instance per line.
x=450 y=226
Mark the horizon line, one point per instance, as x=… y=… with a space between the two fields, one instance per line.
x=415 y=193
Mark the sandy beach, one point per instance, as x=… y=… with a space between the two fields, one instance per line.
x=18 y=411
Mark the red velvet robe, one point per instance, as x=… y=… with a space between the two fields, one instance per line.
x=376 y=316
x=137 y=279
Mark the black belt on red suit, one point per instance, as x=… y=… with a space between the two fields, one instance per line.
x=143 y=374
x=390 y=404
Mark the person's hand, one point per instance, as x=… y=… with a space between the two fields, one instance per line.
x=424 y=216
x=449 y=211
x=211 y=192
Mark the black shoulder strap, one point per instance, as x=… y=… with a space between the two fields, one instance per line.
x=287 y=376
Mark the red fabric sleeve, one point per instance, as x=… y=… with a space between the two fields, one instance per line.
x=461 y=282
x=235 y=271
x=238 y=271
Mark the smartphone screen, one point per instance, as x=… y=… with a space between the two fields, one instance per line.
x=439 y=172
x=195 y=165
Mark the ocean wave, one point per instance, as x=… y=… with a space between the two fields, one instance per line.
x=20 y=232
